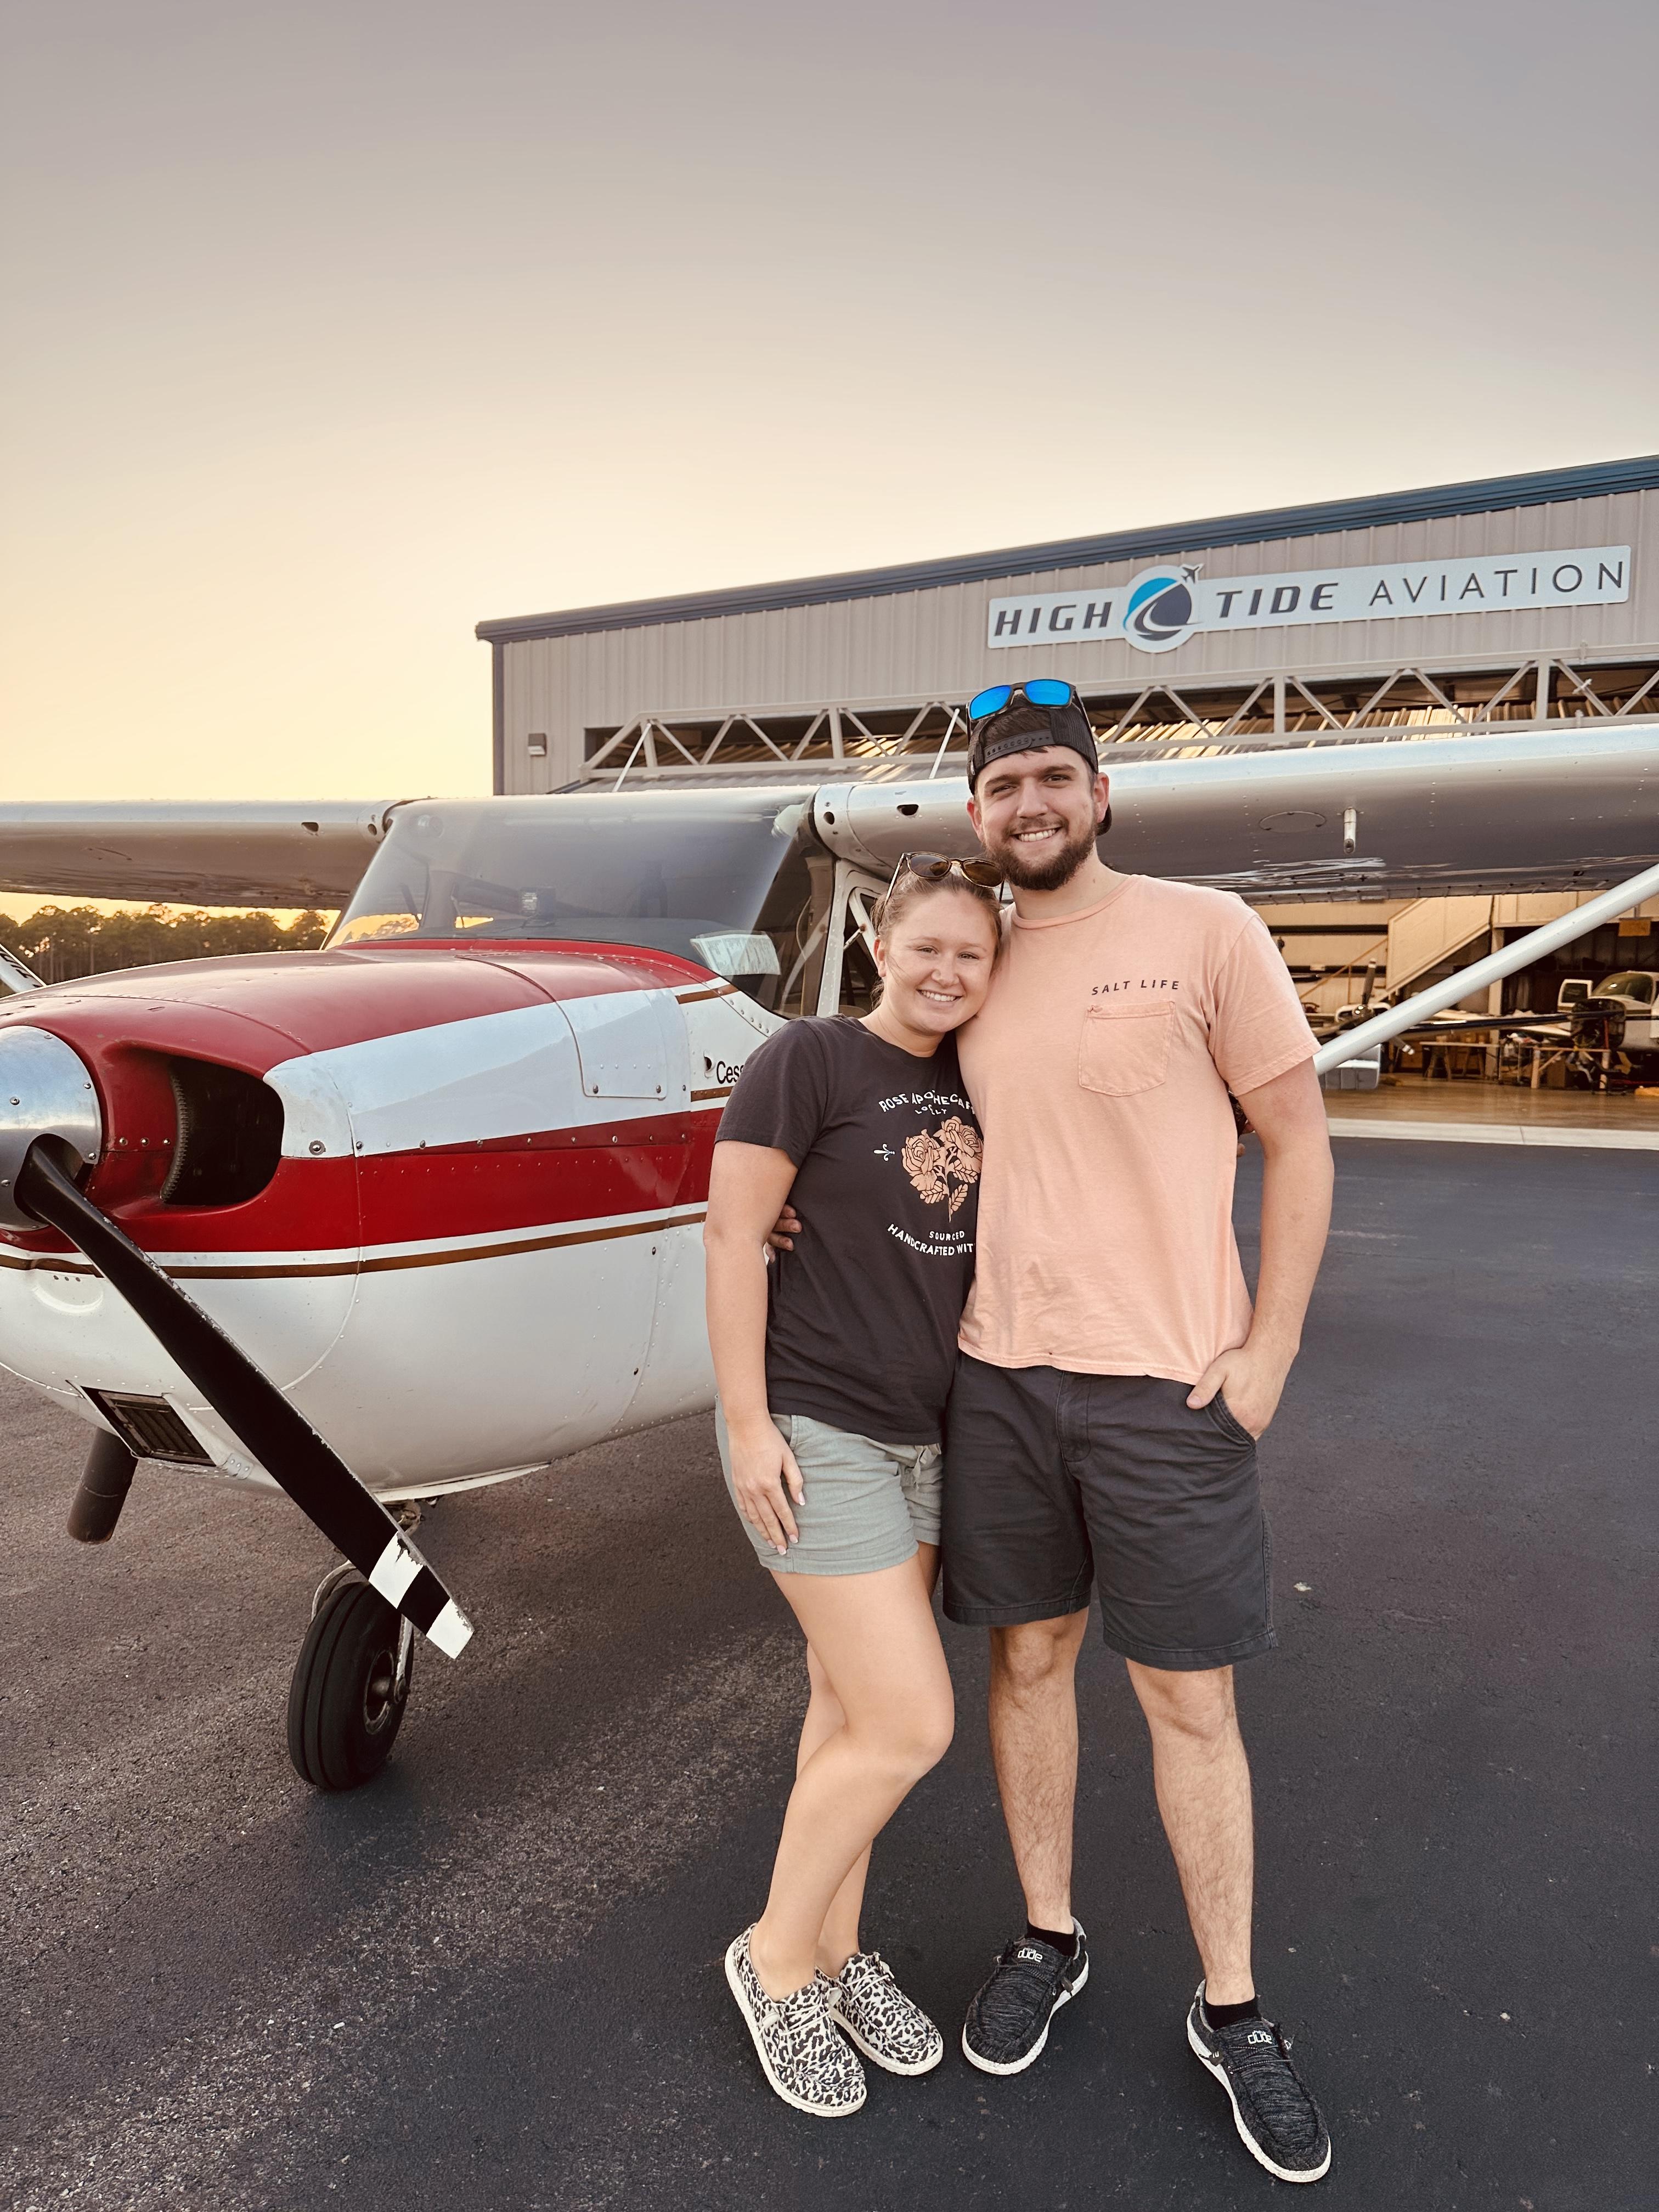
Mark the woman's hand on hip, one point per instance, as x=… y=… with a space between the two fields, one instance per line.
x=764 y=1480
x=780 y=1237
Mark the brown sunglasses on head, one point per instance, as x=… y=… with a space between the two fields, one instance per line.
x=935 y=867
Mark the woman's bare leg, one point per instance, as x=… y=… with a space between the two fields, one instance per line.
x=874 y=1639
x=839 y=1937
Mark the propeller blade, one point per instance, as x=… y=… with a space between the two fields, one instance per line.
x=284 y=1443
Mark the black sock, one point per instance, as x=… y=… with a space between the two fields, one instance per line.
x=1068 y=1944
x=1225 y=2015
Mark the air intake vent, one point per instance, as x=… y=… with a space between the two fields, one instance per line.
x=230 y=1135
x=148 y=1427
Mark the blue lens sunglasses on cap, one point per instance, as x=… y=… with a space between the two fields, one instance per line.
x=1040 y=691
x=1075 y=732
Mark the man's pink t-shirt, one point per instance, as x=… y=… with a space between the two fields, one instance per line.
x=1099 y=1068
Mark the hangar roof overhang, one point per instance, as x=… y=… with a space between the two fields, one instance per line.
x=1483 y=495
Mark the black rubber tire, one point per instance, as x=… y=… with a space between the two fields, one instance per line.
x=343 y=1718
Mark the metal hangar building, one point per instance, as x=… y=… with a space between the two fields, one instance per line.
x=1511 y=601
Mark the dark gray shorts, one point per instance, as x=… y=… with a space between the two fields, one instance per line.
x=1058 y=1482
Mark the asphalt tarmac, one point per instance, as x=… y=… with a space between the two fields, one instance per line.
x=492 y=1979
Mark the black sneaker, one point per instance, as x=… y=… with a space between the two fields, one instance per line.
x=1007 y=2022
x=1272 y=2106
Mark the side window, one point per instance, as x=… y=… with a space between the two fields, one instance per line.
x=858 y=979
x=788 y=918
x=801 y=911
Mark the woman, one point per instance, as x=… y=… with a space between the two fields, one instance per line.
x=832 y=1394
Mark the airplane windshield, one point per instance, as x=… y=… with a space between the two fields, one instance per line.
x=719 y=877
x=1635 y=986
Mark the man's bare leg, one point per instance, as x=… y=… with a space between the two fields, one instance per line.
x=1033 y=1711
x=1203 y=1783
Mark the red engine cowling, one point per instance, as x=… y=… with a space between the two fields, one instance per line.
x=193 y=1150
x=399 y=1177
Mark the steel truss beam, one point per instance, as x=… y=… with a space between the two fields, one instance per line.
x=1405 y=700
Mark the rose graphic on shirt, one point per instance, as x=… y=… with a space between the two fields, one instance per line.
x=944 y=1164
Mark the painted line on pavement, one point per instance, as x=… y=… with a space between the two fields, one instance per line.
x=1497 y=1132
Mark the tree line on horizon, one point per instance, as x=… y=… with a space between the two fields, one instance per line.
x=62 y=943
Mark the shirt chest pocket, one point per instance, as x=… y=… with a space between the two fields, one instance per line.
x=1124 y=1050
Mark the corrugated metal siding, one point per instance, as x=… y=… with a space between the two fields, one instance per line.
x=913 y=644
x=1485 y=494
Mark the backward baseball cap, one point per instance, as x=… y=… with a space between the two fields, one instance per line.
x=1020 y=727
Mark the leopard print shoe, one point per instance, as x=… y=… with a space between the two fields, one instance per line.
x=800 y=2054
x=867 y=2005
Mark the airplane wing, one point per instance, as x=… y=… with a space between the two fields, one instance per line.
x=1565 y=809
x=286 y=853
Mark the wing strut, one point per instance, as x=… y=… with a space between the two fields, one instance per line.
x=1565 y=930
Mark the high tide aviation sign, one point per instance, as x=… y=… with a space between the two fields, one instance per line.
x=1164 y=606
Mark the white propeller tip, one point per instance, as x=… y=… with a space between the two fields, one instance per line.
x=451 y=1632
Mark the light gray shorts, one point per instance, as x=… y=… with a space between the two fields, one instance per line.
x=867 y=1506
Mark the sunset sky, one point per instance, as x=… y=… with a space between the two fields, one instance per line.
x=334 y=329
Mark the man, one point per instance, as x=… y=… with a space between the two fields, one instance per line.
x=1113 y=1379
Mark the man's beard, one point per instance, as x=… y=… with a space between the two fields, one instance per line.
x=1045 y=875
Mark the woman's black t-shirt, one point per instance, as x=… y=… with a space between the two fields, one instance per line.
x=862 y=1315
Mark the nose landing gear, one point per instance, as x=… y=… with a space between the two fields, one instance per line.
x=350 y=1681
x=345 y=1702
x=103 y=1491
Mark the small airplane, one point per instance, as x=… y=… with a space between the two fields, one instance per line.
x=16 y=974
x=419 y=1213
x=1599 y=1032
